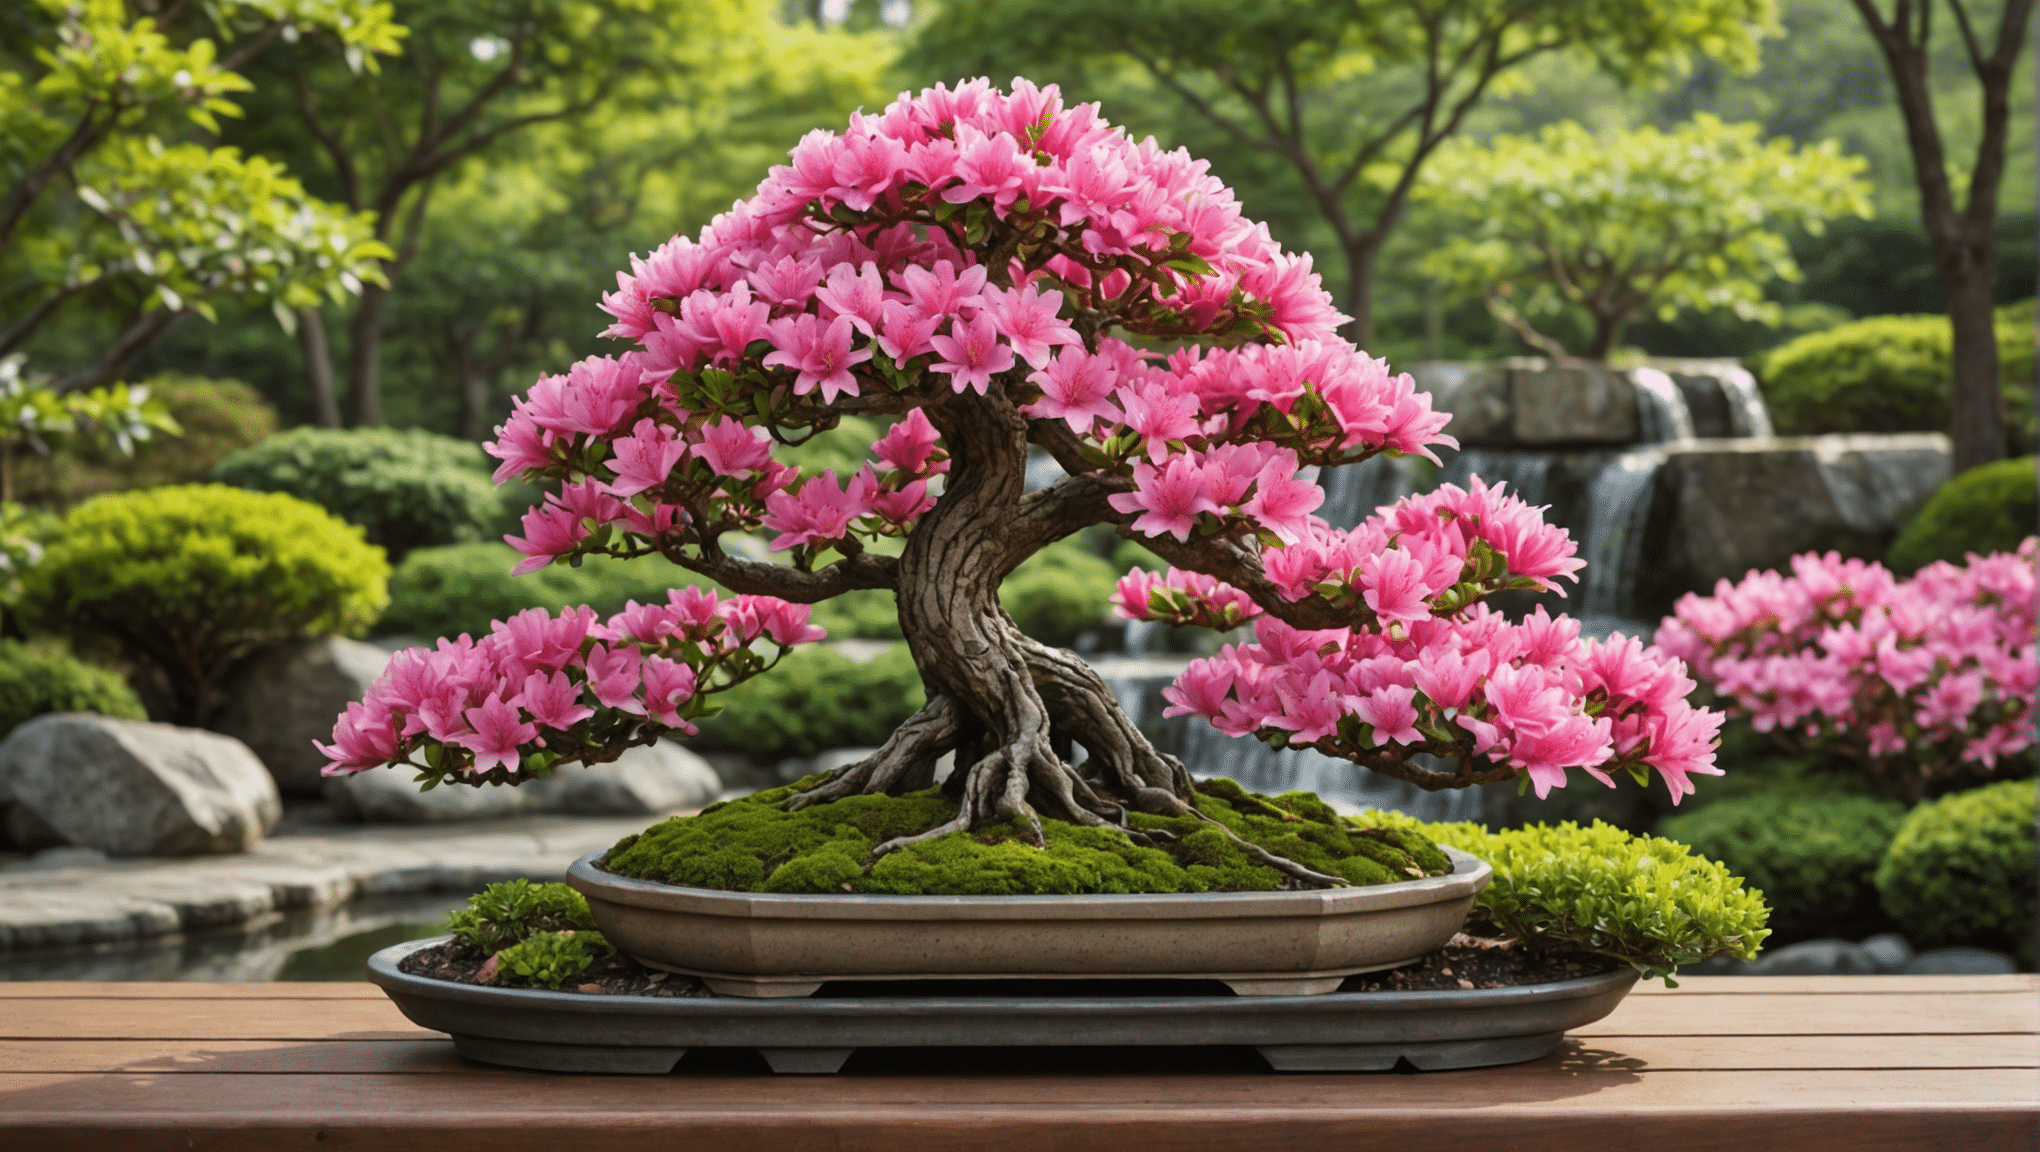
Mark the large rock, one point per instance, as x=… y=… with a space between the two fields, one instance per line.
x=284 y=697
x=644 y=781
x=131 y=788
x=1725 y=507
x=1533 y=403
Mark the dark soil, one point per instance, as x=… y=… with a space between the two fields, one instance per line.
x=1466 y=962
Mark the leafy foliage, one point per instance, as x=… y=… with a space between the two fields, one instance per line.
x=1644 y=900
x=214 y=418
x=752 y=845
x=817 y=699
x=185 y=579
x=37 y=679
x=1960 y=870
x=458 y=588
x=551 y=959
x=33 y=416
x=1984 y=510
x=405 y=489
x=1891 y=374
x=1638 y=224
x=1811 y=856
x=515 y=910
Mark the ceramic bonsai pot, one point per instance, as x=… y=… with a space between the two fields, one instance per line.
x=1341 y=1032
x=1284 y=943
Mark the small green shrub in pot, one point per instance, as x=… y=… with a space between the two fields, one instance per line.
x=1814 y=857
x=405 y=488
x=184 y=580
x=504 y=914
x=1960 y=870
x=37 y=678
x=1984 y=510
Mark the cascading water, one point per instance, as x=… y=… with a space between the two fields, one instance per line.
x=1618 y=505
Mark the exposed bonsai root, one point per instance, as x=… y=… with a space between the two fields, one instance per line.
x=906 y=763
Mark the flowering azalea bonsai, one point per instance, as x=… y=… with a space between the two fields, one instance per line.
x=992 y=271
x=1921 y=682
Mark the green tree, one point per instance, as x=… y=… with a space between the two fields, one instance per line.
x=96 y=203
x=1960 y=223
x=1635 y=224
x=1352 y=97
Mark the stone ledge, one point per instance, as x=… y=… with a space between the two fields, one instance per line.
x=83 y=903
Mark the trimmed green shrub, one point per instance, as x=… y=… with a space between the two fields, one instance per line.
x=405 y=488
x=504 y=914
x=36 y=679
x=462 y=587
x=218 y=417
x=817 y=699
x=863 y=614
x=550 y=959
x=187 y=579
x=1984 y=510
x=1644 y=900
x=1813 y=858
x=1960 y=870
x=1060 y=591
x=1891 y=374
x=754 y=845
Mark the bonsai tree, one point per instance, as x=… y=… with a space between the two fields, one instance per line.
x=1645 y=223
x=993 y=272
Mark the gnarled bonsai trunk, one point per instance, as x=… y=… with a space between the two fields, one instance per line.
x=1011 y=709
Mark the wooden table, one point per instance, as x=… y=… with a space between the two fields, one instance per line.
x=1862 y=1063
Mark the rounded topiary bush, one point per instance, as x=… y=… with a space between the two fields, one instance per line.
x=187 y=579
x=406 y=488
x=1891 y=374
x=1984 y=510
x=1960 y=870
x=35 y=679
x=1813 y=856
x=458 y=588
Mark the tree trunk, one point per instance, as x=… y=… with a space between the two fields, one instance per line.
x=1360 y=257
x=1977 y=419
x=1607 y=335
x=364 y=358
x=318 y=368
x=1010 y=708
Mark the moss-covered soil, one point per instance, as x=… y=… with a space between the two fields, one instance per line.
x=753 y=845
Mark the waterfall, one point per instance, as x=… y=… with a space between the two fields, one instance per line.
x=1745 y=402
x=1354 y=491
x=1661 y=411
x=1525 y=471
x=1618 y=507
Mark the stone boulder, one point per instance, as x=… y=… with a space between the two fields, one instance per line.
x=132 y=788
x=1532 y=403
x=285 y=696
x=664 y=777
x=1722 y=508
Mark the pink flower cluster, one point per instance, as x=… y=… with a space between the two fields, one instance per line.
x=1182 y=598
x=559 y=685
x=1929 y=672
x=859 y=267
x=1532 y=695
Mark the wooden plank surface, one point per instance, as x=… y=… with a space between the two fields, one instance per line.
x=1894 y=1063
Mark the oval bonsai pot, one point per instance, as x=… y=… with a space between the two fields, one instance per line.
x=1290 y=943
x=1344 y=1032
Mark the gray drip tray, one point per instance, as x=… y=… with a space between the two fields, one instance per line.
x=1339 y=1032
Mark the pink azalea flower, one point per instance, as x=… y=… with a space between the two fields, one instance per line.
x=943 y=291
x=1168 y=498
x=549 y=532
x=1159 y=414
x=645 y=458
x=1077 y=389
x=730 y=448
x=818 y=513
x=364 y=737
x=552 y=700
x=1391 y=713
x=906 y=331
x=668 y=685
x=1026 y=316
x=820 y=351
x=909 y=444
x=1394 y=587
x=971 y=354
x=858 y=295
x=613 y=676
x=498 y=730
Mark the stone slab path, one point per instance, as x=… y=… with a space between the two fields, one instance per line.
x=68 y=899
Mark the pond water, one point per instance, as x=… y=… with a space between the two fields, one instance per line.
x=331 y=945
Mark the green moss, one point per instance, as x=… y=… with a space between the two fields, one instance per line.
x=753 y=845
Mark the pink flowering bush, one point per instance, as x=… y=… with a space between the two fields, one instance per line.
x=1920 y=681
x=988 y=271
